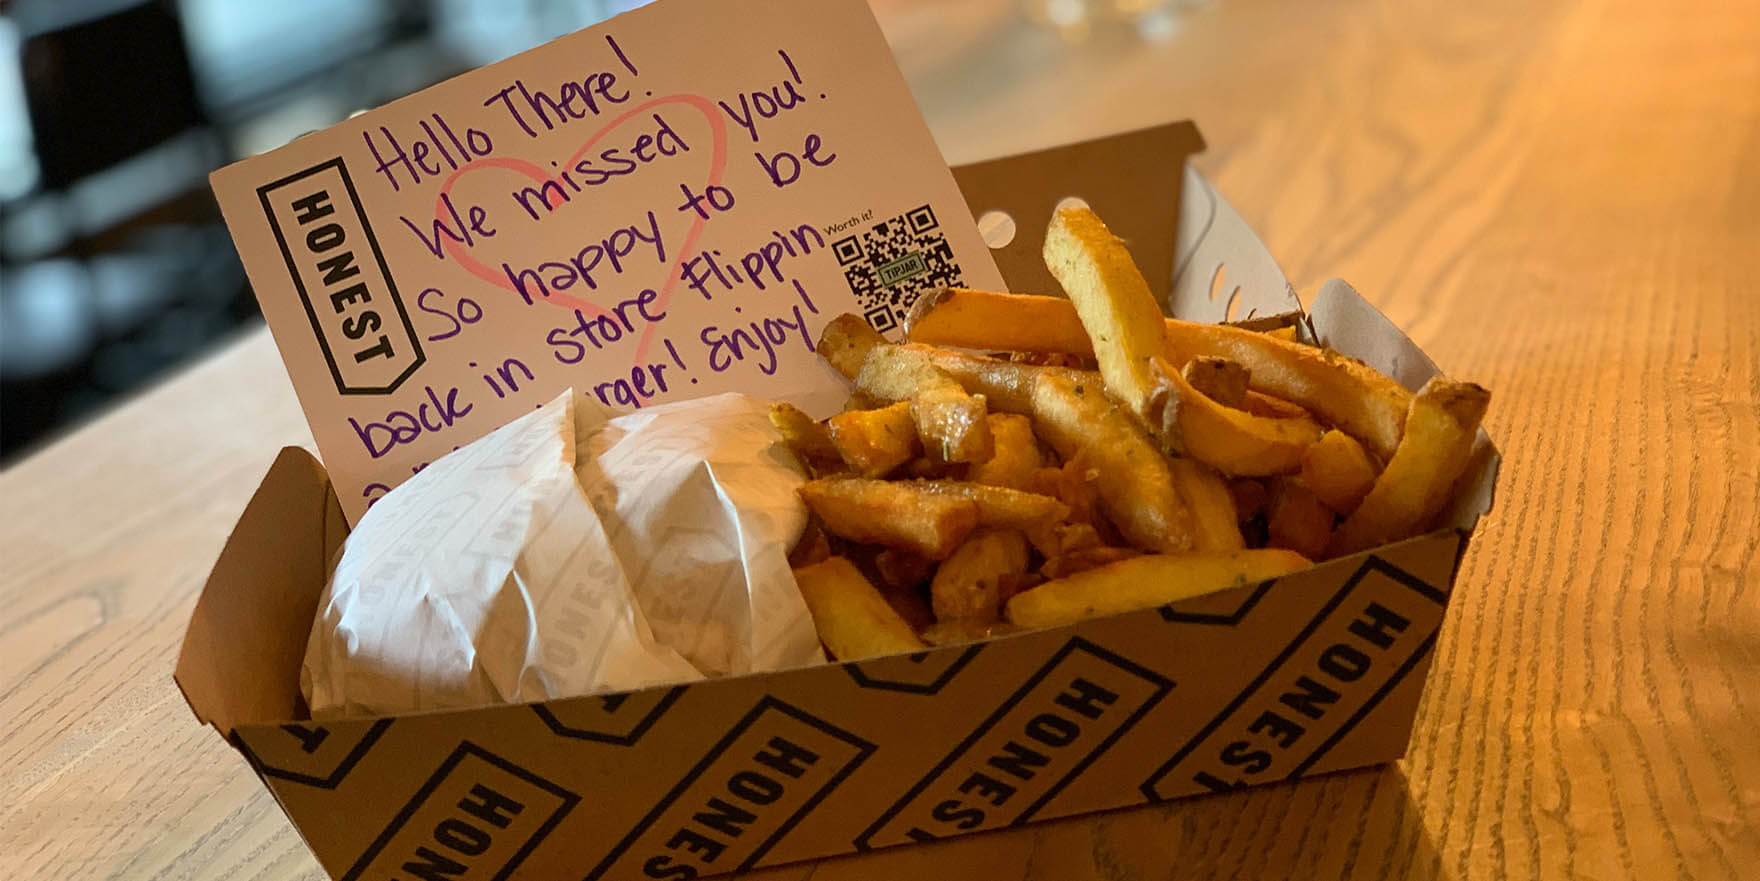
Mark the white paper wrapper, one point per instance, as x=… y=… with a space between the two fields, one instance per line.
x=491 y=578
x=699 y=498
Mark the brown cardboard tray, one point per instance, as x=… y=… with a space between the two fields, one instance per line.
x=1318 y=671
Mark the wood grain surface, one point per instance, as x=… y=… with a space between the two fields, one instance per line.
x=1560 y=200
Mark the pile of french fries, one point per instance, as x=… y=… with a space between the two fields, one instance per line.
x=1103 y=459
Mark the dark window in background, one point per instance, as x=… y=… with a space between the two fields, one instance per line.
x=86 y=114
x=114 y=265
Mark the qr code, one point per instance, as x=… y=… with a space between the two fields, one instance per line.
x=888 y=264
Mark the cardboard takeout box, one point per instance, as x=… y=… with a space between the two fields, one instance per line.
x=1315 y=672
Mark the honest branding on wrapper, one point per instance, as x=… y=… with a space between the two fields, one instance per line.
x=1043 y=736
x=1361 y=644
x=336 y=266
x=769 y=772
x=475 y=819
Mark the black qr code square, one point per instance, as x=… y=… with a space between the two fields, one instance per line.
x=891 y=262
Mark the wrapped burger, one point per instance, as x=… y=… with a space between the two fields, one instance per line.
x=551 y=558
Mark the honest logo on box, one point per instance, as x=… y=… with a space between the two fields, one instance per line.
x=755 y=784
x=476 y=818
x=336 y=266
x=1044 y=735
x=921 y=673
x=315 y=755
x=1340 y=665
x=619 y=719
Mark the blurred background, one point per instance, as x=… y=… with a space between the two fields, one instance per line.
x=114 y=265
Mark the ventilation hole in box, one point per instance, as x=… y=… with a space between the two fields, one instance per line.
x=1234 y=302
x=1216 y=279
x=1071 y=202
x=997 y=228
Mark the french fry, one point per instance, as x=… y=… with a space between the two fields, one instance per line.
x=1006 y=385
x=1218 y=379
x=861 y=400
x=1107 y=290
x=950 y=421
x=1134 y=481
x=1261 y=404
x=1279 y=325
x=1227 y=383
x=979 y=576
x=1234 y=442
x=1215 y=525
x=845 y=343
x=1015 y=457
x=902 y=570
x=1000 y=507
x=1074 y=483
x=852 y=617
x=1145 y=582
x=1437 y=446
x=848 y=340
x=812 y=547
x=897 y=515
x=1063 y=539
x=1342 y=391
x=954 y=631
x=911 y=606
x=985 y=321
x=1338 y=471
x=1085 y=558
x=1181 y=434
x=1251 y=498
x=1298 y=520
x=925 y=468
x=874 y=442
x=1053 y=359
x=810 y=440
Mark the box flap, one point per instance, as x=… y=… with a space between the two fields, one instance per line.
x=1224 y=273
x=246 y=638
x=1202 y=260
x=1346 y=322
x=1342 y=320
x=1133 y=180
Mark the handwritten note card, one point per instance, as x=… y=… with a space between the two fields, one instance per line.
x=669 y=205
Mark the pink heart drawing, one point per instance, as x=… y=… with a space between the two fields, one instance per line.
x=717 y=167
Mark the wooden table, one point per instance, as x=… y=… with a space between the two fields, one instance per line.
x=1560 y=200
